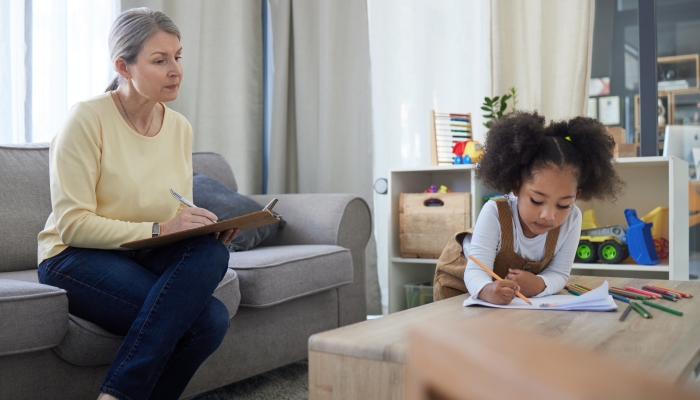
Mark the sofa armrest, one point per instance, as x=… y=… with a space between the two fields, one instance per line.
x=338 y=219
x=32 y=316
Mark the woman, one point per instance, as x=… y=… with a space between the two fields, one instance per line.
x=111 y=169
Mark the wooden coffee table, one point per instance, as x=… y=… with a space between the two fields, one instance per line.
x=366 y=360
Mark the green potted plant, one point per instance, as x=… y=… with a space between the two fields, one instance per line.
x=495 y=107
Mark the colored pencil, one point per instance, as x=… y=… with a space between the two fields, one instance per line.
x=493 y=274
x=661 y=291
x=644 y=309
x=618 y=297
x=581 y=291
x=666 y=295
x=627 y=291
x=628 y=294
x=660 y=307
x=638 y=310
x=581 y=288
x=684 y=294
x=626 y=313
x=572 y=291
x=642 y=292
x=669 y=298
x=584 y=287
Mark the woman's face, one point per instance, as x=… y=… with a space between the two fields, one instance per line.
x=157 y=72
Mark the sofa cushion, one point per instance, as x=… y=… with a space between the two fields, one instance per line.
x=272 y=275
x=225 y=204
x=214 y=166
x=87 y=344
x=32 y=316
x=26 y=203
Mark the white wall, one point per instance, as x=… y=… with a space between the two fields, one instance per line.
x=424 y=55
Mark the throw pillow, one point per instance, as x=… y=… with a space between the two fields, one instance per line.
x=225 y=203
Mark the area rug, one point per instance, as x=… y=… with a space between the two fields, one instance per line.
x=290 y=382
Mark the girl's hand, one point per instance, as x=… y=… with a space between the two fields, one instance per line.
x=188 y=218
x=530 y=284
x=226 y=237
x=499 y=292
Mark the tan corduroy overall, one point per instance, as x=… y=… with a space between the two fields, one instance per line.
x=449 y=273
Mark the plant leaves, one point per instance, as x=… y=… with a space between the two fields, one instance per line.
x=486 y=108
x=503 y=107
x=495 y=99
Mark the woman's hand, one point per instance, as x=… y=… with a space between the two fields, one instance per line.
x=188 y=218
x=499 y=292
x=530 y=284
x=226 y=237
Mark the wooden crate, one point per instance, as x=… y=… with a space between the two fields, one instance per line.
x=425 y=230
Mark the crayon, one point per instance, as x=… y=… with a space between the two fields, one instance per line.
x=496 y=277
x=660 y=307
x=638 y=310
x=626 y=313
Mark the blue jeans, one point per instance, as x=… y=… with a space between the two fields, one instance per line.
x=159 y=299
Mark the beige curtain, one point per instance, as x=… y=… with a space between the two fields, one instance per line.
x=221 y=93
x=321 y=131
x=543 y=49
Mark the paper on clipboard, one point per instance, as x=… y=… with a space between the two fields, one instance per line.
x=248 y=221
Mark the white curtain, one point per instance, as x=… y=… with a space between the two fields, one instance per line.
x=543 y=49
x=426 y=55
x=321 y=131
x=53 y=53
x=221 y=92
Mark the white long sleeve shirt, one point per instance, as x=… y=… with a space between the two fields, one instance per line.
x=486 y=243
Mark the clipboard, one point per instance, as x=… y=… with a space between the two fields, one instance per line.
x=248 y=221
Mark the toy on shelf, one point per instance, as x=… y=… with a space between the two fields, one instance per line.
x=468 y=152
x=434 y=189
x=613 y=244
x=656 y=217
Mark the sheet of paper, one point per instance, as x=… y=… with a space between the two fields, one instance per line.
x=597 y=299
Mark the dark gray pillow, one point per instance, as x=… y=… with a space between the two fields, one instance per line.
x=225 y=203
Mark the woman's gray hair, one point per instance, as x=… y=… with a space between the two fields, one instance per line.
x=130 y=31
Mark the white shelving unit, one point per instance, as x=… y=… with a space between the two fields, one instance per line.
x=651 y=182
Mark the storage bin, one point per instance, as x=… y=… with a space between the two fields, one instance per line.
x=428 y=220
x=419 y=294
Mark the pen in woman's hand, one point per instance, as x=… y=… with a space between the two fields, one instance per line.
x=182 y=199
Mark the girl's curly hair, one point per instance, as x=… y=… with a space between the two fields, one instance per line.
x=520 y=144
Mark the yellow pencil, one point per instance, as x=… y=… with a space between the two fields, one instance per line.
x=471 y=257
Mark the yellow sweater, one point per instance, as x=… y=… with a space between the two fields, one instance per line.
x=108 y=183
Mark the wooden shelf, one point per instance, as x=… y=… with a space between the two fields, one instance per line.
x=651 y=182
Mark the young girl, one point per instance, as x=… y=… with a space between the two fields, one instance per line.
x=529 y=237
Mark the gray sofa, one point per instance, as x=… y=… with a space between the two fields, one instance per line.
x=308 y=278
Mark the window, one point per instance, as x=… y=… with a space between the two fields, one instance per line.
x=53 y=53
